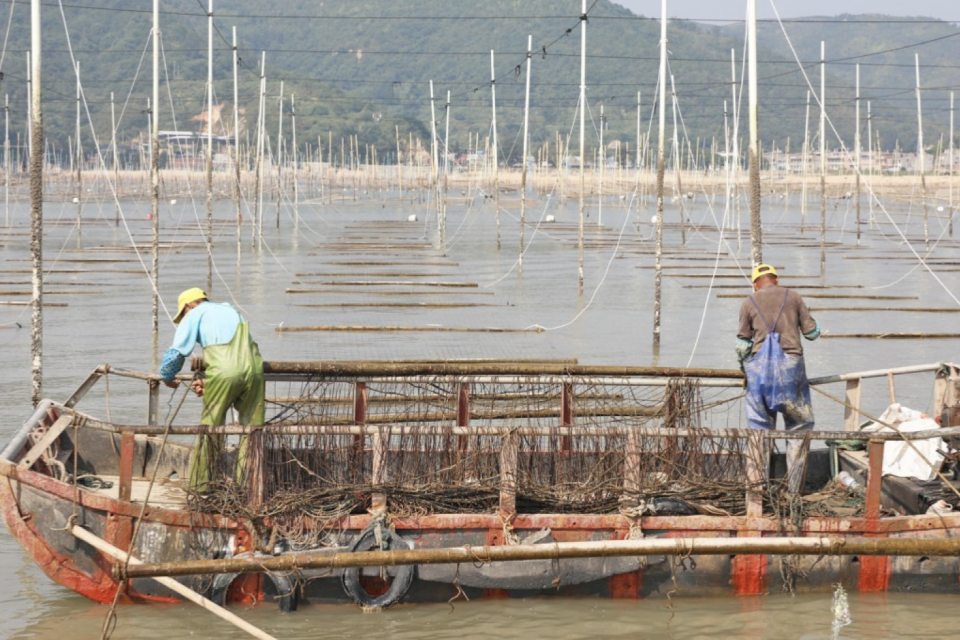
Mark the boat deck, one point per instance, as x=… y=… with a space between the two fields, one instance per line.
x=166 y=493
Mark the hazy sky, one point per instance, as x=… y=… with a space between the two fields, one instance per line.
x=735 y=9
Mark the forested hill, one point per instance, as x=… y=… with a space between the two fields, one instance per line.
x=363 y=66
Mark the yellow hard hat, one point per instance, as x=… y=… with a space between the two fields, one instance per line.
x=188 y=296
x=763 y=270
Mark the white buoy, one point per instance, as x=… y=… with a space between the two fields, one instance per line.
x=939 y=209
x=653 y=219
x=412 y=217
x=173 y=201
x=76 y=200
x=550 y=218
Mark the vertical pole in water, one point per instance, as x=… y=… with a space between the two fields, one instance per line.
x=496 y=147
x=209 y=155
x=399 y=166
x=603 y=162
x=36 y=208
x=678 y=162
x=805 y=158
x=658 y=260
x=433 y=155
x=921 y=161
x=870 y=155
x=823 y=159
x=735 y=139
x=261 y=124
x=856 y=144
x=756 y=230
x=951 y=165
x=583 y=109
x=6 y=158
x=446 y=167
x=236 y=139
x=296 y=182
x=523 y=160
x=636 y=154
x=79 y=161
x=29 y=107
x=116 y=157
x=155 y=182
x=727 y=164
x=279 y=152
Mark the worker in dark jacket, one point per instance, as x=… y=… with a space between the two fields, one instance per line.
x=772 y=321
x=234 y=376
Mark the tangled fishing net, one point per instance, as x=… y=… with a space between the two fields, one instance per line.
x=429 y=464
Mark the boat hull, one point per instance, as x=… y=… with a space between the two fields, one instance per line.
x=38 y=509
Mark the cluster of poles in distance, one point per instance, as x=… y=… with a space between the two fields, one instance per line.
x=37 y=153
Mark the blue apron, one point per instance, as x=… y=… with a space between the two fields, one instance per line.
x=776 y=382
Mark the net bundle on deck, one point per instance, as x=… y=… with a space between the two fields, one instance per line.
x=574 y=452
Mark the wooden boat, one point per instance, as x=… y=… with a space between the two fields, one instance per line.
x=546 y=430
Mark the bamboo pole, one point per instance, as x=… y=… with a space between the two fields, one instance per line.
x=735 y=142
x=6 y=158
x=209 y=154
x=523 y=160
x=295 y=161
x=116 y=158
x=155 y=186
x=496 y=146
x=823 y=160
x=658 y=260
x=921 y=160
x=806 y=162
x=236 y=143
x=36 y=205
x=951 y=171
x=583 y=109
x=279 y=154
x=856 y=145
x=188 y=594
x=682 y=547
x=756 y=230
x=79 y=161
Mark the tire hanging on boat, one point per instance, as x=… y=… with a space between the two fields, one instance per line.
x=287 y=596
x=367 y=541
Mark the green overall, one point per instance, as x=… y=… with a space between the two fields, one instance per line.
x=234 y=377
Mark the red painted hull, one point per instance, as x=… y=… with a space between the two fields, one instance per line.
x=35 y=508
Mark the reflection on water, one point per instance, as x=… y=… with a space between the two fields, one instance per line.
x=114 y=326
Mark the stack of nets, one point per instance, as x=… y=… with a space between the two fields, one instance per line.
x=433 y=465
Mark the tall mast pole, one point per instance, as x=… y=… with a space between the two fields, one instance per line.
x=36 y=207
x=583 y=109
x=661 y=161
x=155 y=183
x=446 y=167
x=434 y=154
x=496 y=146
x=756 y=231
x=735 y=139
x=209 y=157
x=523 y=160
x=806 y=161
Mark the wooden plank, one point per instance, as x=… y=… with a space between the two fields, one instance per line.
x=44 y=443
x=851 y=417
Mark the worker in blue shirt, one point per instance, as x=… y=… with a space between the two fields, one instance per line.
x=234 y=376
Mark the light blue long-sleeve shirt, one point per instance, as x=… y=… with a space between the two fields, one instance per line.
x=206 y=324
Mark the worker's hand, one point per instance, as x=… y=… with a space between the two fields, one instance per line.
x=173 y=384
x=197 y=387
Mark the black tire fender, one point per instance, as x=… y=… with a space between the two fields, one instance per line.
x=350 y=579
x=287 y=595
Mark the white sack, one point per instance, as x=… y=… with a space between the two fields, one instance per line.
x=899 y=458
